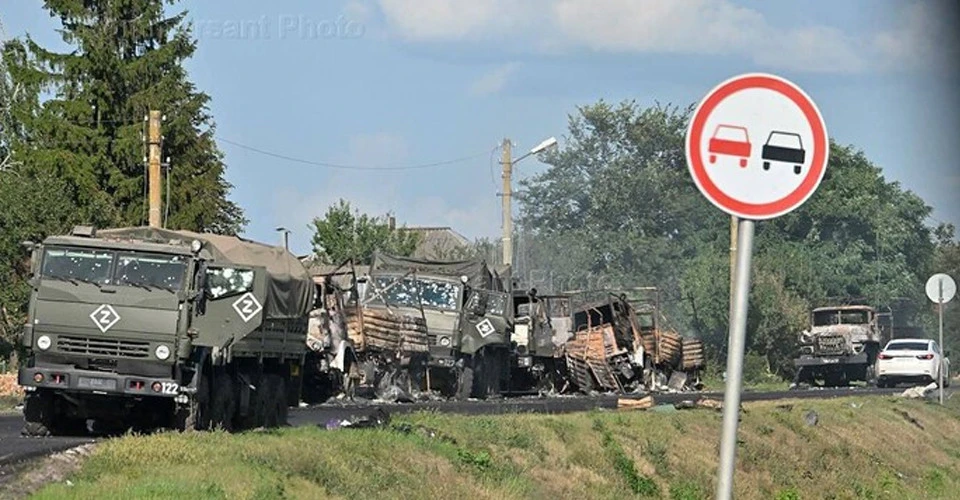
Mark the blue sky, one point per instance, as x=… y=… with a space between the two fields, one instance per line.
x=400 y=82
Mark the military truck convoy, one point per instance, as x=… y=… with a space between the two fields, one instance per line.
x=145 y=327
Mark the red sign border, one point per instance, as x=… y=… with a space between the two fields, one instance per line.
x=817 y=165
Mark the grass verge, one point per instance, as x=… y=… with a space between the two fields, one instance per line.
x=858 y=448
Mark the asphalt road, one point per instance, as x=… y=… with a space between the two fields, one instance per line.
x=15 y=448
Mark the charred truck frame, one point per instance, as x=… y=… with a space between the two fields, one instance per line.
x=840 y=346
x=145 y=326
x=420 y=325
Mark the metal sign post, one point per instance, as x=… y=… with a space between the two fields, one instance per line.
x=941 y=289
x=752 y=180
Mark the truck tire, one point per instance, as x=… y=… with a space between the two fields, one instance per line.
x=222 y=402
x=42 y=417
x=275 y=401
x=465 y=379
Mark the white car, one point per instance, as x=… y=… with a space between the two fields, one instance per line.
x=912 y=360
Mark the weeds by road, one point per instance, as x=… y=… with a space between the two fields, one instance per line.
x=848 y=448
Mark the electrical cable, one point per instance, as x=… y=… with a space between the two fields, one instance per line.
x=349 y=167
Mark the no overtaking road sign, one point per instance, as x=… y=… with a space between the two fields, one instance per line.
x=757 y=146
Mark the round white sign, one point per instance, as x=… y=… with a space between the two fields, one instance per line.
x=757 y=146
x=941 y=283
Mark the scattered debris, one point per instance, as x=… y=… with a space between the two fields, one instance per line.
x=811 y=417
x=918 y=391
x=378 y=419
x=786 y=408
x=678 y=380
x=712 y=404
x=909 y=418
x=635 y=404
x=424 y=431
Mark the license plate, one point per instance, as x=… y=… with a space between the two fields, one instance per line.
x=97 y=383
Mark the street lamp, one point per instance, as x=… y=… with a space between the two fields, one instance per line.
x=507 y=161
x=286 y=237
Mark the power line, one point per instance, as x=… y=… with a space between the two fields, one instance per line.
x=349 y=167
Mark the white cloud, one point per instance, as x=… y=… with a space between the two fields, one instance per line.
x=493 y=81
x=720 y=27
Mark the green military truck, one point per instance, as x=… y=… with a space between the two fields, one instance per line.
x=144 y=327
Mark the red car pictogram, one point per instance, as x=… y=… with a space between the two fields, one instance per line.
x=734 y=142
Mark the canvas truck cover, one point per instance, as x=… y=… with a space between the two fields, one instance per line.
x=290 y=289
x=478 y=274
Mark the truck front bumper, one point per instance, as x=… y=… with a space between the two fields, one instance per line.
x=808 y=360
x=73 y=380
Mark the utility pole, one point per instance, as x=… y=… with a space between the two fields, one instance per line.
x=507 y=162
x=153 y=167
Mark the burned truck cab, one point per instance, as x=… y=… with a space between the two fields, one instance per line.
x=840 y=346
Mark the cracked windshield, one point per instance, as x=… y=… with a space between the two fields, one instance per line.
x=404 y=292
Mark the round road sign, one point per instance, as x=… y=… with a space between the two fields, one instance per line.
x=757 y=146
x=934 y=287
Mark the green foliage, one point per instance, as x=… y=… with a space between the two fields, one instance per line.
x=32 y=208
x=617 y=207
x=125 y=58
x=343 y=233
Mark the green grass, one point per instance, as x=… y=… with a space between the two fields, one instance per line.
x=861 y=448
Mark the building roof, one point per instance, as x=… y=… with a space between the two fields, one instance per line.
x=436 y=242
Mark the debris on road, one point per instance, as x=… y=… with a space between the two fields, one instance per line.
x=635 y=404
x=378 y=419
x=918 y=391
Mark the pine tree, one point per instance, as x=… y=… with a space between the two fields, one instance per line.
x=127 y=58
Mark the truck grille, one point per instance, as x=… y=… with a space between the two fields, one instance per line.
x=831 y=345
x=103 y=347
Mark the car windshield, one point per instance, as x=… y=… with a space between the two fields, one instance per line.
x=74 y=264
x=150 y=270
x=907 y=346
x=412 y=292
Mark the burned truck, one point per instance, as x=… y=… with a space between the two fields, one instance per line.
x=421 y=326
x=542 y=326
x=145 y=327
x=840 y=347
x=619 y=345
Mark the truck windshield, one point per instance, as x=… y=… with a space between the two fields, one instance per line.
x=404 y=292
x=150 y=270
x=827 y=318
x=74 y=264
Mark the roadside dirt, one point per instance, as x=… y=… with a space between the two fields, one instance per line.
x=24 y=479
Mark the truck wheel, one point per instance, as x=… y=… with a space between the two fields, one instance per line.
x=465 y=379
x=42 y=418
x=275 y=410
x=766 y=165
x=222 y=403
x=797 y=169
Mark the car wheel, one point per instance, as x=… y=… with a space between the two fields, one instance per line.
x=713 y=158
x=797 y=169
x=766 y=165
x=743 y=163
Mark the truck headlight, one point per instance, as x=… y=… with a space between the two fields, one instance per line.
x=445 y=341
x=162 y=352
x=43 y=342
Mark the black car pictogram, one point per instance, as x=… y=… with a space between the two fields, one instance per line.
x=790 y=150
